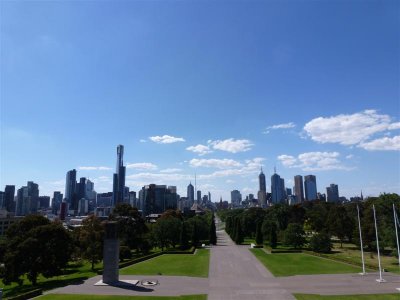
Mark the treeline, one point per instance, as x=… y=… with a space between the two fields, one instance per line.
x=315 y=223
x=35 y=246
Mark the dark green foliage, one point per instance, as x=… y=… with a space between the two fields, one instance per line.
x=213 y=231
x=239 y=236
x=339 y=223
x=124 y=253
x=273 y=240
x=167 y=232
x=195 y=235
x=35 y=246
x=184 y=240
x=294 y=235
x=321 y=242
x=90 y=237
x=249 y=220
x=259 y=234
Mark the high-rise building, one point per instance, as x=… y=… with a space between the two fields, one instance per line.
x=262 y=193
x=132 y=199
x=298 y=188
x=27 y=199
x=44 y=202
x=190 y=193
x=198 y=197
x=310 y=187
x=56 y=202
x=157 y=198
x=277 y=189
x=332 y=193
x=81 y=188
x=119 y=177
x=70 y=190
x=104 y=199
x=236 y=198
x=8 y=202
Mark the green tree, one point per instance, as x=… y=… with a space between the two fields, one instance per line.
x=167 y=231
x=339 y=223
x=259 y=235
x=273 y=240
x=184 y=240
x=321 y=242
x=294 y=235
x=91 y=236
x=40 y=248
x=213 y=231
x=239 y=236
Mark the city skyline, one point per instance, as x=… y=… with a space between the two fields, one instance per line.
x=307 y=89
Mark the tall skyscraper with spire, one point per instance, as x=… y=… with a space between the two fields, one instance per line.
x=119 y=177
x=262 y=193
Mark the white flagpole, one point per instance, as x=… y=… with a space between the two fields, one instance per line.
x=361 y=242
x=397 y=235
x=377 y=245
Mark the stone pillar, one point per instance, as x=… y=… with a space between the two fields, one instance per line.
x=111 y=254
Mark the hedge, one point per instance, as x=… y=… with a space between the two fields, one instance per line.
x=27 y=295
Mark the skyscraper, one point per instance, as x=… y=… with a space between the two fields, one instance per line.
x=190 y=193
x=277 y=189
x=8 y=202
x=119 y=177
x=236 y=198
x=262 y=193
x=198 y=197
x=298 y=188
x=70 y=189
x=56 y=202
x=157 y=198
x=27 y=199
x=310 y=187
x=332 y=193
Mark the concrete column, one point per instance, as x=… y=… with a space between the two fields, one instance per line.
x=111 y=254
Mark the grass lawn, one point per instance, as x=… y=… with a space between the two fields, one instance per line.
x=284 y=264
x=195 y=265
x=348 y=297
x=72 y=274
x=352 y=253
x=104 y=297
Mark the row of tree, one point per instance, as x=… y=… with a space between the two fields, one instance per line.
x=35 y=246
x=317 y=220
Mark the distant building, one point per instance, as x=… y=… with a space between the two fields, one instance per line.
x=104 y=199
x=310 y=187
x=56 y=202
x=83 y=208
x=6 y=220
x=8 y=201
x=190 y=193
x=236 y=198
x=157 y=198
x=119 y=177
x=277 y=189
x=262 y=192
x=27 y=199
x=44 y=202
x=332 y=193
x=198 y=196
x=132 y=199
x=298 y=188
x=70 y=189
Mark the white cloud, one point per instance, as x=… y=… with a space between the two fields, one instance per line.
x=142 y=141
x=349 y=129
x=385 y=143
x=279 y=126
x=229 y=181
x=231 y=145
x=166 y=139
x=158 y=177
x=314 y=161
x=94 y=168
x=350 y=156
x=214 y=163
x=171 y=170
x=142 y=166
x=199 y=149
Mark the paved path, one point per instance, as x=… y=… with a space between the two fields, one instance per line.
x=235 y=273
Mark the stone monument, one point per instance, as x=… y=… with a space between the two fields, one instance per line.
x=111 y=254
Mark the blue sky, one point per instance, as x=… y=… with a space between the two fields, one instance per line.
x=216 y=88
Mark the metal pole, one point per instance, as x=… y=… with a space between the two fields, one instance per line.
x=361 y=242
x=397 y=235
x=377 y=245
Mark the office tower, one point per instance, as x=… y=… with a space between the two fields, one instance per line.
x=236 y=198
x=2 y=199
x=157 y=198
x=277 y=189
x=104 y=199
x=198 y=197
x=288 y=191
x=209 y=196
x=132 y=199
x=190 y=193
x=83 y=207
x=310 y=187
x=119 y=177
x=70 y=189
x=298 y=188
x=205 y=200
x=262 y=193
x=63 y=210
x=8 y=202
x=81 y=188
x=332 y=193
x=126 y=194
x=44 y=202
x=56 y=202
x=27 y=199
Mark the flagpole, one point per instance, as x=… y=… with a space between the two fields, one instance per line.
x=361 y=242
x=377 y=245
